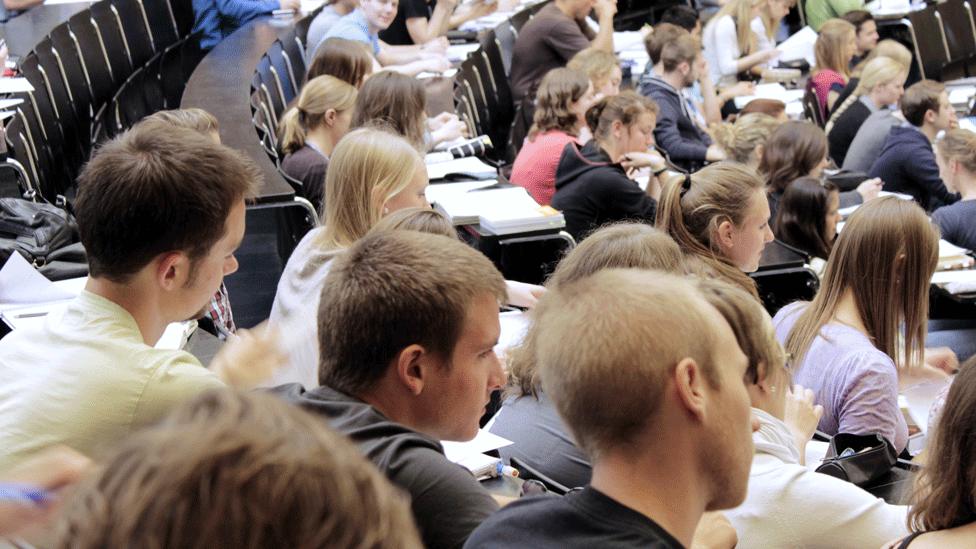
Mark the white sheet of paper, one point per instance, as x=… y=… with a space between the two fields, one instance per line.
x=468 y=164
x=481 y=443
x=799 y=46
x=21 y=283
x=15 y=85
x=9 y=103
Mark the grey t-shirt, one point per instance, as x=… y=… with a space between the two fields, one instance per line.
x=870 y=139
x=316 y=31
x=447 y=501
x=958 y=223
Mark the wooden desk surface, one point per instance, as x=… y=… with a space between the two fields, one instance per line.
x=221 y=85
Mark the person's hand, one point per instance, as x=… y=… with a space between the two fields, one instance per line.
x=942 y=358
x=436 y=64
x=869 y=189
x=769 y=55
x=250 y=357
x=801 y=416
x=740 y=89
x=715 y=153
x=714 y=531
x=290 y=5
x=436 y=122
x=52 y=470
x=924 y=373
x=481 y=9
x=449 y=131
x=524 y=295
x=438 y=45
x=642 y=160
x=605 y=9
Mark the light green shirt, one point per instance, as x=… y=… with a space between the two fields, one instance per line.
x=819 y=11
x=87 y=379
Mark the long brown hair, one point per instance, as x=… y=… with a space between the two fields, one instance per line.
x=347 y=60
x=945 y=489
x=622 y=245
x=791 y=152
x=885 y=257
x=801 y=219
x=396 y=100
x=692 y=208
x=558 y=91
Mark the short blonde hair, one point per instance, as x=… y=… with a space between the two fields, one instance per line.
x=606 y=376
x=369 y=166
x=319 y=95
x=878 y=71
x=740 y=139
x=959 y=145
x=596 y=64
x=237 y=470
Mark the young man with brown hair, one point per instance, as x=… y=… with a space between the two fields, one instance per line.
x=407 y=324
x=161 y=212
x=657 y=401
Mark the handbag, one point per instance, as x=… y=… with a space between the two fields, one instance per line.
x=43 y=234
x=859 y=459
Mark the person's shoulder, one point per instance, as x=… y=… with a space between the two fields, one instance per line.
x=521 y=523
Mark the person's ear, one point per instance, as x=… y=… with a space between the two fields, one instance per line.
x=760 y=149
x=684 y=68
x=172 y=270
x=690 y=384
x=725 y=234
x=930 y=116
x=330 y=117
x=412 y=365
x=618 y=129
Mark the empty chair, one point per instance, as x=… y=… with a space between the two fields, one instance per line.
x=281 y=69
x=93 y=58
x=162 y=25
x=182 y=11
x=931 y=51
x=19 y=148
x=107 y=25
x=270 y=87
x=132 y=19
x=295 y=58
x=74 y=132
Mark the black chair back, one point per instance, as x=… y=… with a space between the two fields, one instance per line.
x=131 y=18
x=109 y=28
x=93 y=58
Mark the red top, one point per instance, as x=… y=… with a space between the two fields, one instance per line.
x=822 y=83
x=535 y=166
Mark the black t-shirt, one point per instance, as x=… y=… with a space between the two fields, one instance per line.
x=447 y=501
x=583 y=519
x=397 y=34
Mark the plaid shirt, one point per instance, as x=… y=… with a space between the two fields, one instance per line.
x=220 y=312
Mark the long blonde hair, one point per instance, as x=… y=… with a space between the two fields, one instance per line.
x=770 y=24
x=741 y=13
x=318 y=96
x=369 y=166
x=885 y=257
x=878 y=71
x=692 y=208
x=829 y=49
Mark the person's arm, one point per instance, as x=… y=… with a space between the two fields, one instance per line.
x=871 y=402
x=474 y=10
x=668 y=137
x=20 y=4
x=244 y=11
x=924 y=172
x=605 y=10
x=421 y=29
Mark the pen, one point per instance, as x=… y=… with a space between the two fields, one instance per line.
x=22 y=493
x=504 y=470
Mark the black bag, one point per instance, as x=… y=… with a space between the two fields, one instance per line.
x=873 y=457
x=43 y=234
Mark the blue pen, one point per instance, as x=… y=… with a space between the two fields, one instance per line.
x=504 y=470
x=23 y=493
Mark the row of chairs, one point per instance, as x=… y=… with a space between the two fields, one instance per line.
x=94 y=75
x=944 y=39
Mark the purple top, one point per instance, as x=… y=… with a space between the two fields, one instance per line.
x=856 y=383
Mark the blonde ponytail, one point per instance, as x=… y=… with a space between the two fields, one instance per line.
x=319 y=95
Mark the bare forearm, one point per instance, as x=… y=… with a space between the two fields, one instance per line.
x=604 y=38
x=711 y=101
x=20 y=4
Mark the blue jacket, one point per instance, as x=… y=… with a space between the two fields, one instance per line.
x=676 y=132
x=907 y=165
x=215 y=19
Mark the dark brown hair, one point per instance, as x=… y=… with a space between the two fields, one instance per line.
x=945 y=489
x=792 y=151
x=772 y=107
x=560 y=88
x=857 y=18
x=801 y=219
x=154 y=189
x=394 y=289
x=919 y=98
x=346 y=60
x=626 y=107
x=230 y=469
x=397 y=101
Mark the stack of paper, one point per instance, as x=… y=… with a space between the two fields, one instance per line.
x=799 y=46
x=471 y=454
x=772 y=90
x=512 y=210
x=442 y=164
x=953 y=257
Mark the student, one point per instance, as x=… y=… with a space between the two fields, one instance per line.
x=420 y=21
x=788 y=505
x=744 y=140
x=833 y=50
x=424 y=220
x=719 y=217
x=407 y=323
x=331 y=13
x=955 y=154
x=731 y=47
x=866 y=146
x=561 y=104
x=241 y=470
x=602 y=68
x=881 y=85
x=667 y=427
x=346 y=60
x=214 y=20
x=867 y=32
x=819 y=11
x=528 y=417
x=770 y=20
x=400 y=101
x=553 y=36
x=943 y=510
x=685 y=142
x=907 y=163
x=885 y=48
x=372 y=173
x=310 y=130
x=799 y=149
x=867 y=324
x=592 y=187
x=160 y=210
x=807 y=216
x=372 y=16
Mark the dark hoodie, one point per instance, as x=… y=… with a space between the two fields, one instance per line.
x=591 y=191
x=676 y=132
x=907 y=165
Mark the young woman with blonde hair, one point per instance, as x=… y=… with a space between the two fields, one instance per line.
x=602 y=68
x=310 y=131
x=768 y=23
x=730 y=45
x=719 y=217
x=955 y=154
x=561 y=103
x=866 y=326
x=835 y=47
x=880 y=86
x=743 y=140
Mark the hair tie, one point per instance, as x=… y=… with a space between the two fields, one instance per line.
x=685 y=185
x=302 y=118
